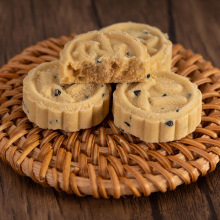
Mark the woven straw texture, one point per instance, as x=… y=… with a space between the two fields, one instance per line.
x=104 y=161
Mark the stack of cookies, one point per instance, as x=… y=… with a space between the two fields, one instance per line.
x=150 y=102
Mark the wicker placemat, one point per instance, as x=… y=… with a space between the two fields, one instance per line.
x=104 y=161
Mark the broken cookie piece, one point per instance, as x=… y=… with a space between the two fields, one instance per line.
x=52 y=105
x=159 y=110
x=104 y=57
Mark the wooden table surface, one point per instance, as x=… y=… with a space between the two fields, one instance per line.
x=193 y=23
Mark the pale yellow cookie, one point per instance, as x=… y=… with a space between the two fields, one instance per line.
x=103 y=57
x=157 y=43
x=52 y=105
x=166 y=108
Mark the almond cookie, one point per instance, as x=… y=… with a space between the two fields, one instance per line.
x=104 y=57
x=52 y=105
x=166 y=108
x=157 y=43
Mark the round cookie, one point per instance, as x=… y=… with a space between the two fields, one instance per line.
x=104 y=57
x=157 y=43
x=166 y=108
x=52 y=105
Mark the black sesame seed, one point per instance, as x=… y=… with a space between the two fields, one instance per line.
x=128 y=54
x=177 y=110
x=57 y=92
x=189 y=95
x=122 y=129
x=164 y=95
x=145 y=32
x=162 y=108
x=102 y=85
x=50 y=122
x=169 y=123
x=55 y=77
x=86 y=96
x=130 y=117
x=137 y=92
x=148 y=75
x=98 y=61
x=56 y=121
x=127 y=124
x=103 y=94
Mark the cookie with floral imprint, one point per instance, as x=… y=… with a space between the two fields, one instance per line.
x=159 y=47
x=166 y=108
x=52 y=105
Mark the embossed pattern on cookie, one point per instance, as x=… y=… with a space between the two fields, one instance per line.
x=166 y=108
x=157 y=43
x=104 y=57
x=52 y=105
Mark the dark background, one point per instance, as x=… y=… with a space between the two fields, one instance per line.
x=193 y=23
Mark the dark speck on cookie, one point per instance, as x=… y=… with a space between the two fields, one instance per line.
x=57 y=92
x=145 y=32
x=86 y=96
x=127 y=124
x=128 y=54
x=137 y=92
x=98 y=61
x=169 y=123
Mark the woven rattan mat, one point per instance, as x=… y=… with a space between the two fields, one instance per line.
x=104 y=161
